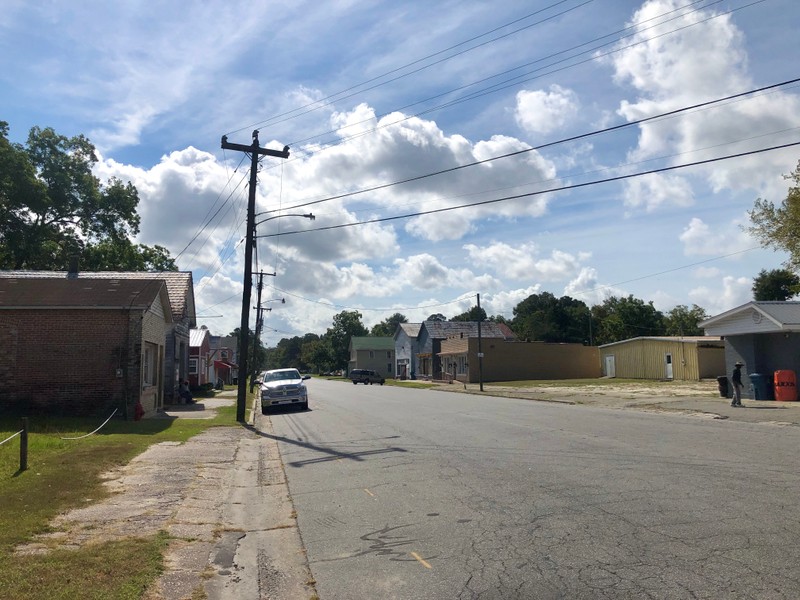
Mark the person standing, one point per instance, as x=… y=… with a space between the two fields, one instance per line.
x=736 y=380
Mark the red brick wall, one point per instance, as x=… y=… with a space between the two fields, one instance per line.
x=66 y=361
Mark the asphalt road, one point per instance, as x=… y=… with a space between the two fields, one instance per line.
x=403 y=493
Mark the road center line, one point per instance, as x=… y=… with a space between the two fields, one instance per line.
x=425 y=563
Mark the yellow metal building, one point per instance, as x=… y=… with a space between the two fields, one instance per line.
x=677 y=358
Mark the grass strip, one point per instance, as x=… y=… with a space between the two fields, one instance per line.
x=65 y=474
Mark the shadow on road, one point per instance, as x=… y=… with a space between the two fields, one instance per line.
x=331 y=454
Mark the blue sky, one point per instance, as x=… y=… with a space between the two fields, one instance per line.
x=369 y=93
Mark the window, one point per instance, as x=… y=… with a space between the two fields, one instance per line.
x=192 y=366
x=389 y=368
x=371 y=354
x=224 y=354
x=149 y=364
x=388 y=354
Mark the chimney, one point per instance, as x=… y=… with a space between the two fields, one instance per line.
x=73 y=267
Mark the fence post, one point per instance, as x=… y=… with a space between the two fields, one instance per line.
x=23 y=446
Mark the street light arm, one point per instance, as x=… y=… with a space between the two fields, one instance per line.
x=305 y=216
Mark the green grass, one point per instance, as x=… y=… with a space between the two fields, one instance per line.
x=64 y=474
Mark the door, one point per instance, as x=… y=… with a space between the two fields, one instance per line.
x=668 y=359
x=610 y=366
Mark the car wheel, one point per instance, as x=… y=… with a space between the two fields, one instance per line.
x=355 y=383
x=304 y=405
x=264 y=410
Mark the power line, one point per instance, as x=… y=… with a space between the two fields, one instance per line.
x=539 y=192
x=661 y=116
x=574 y=138
x=330 y=98
x=615 y=34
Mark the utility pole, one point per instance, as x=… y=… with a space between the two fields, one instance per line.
x=480 y=350
x=258 y=327
x=244 y=330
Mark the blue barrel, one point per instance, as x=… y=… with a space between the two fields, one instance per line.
x=761 y=386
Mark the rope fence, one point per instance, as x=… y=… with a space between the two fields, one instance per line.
x=8 y=439
x=23 y=433
x=80 y=437
x=23 y=444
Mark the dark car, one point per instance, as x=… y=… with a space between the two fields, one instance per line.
x=366 y=376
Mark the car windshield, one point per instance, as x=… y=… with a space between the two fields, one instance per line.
x=278 y=375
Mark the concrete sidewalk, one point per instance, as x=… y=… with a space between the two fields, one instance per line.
x=222 y=497
x=203 y=408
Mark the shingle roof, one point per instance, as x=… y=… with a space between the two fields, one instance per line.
x=445 y=329
x=410 y=329
x=179 y=284
x=79 y=293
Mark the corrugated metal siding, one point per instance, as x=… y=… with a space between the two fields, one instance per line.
x=646 y=359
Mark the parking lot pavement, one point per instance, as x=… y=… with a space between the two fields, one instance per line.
x=699 y=399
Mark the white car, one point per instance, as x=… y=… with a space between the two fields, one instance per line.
x=281 y=387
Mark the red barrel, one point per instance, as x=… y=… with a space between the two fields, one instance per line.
x=785 y=386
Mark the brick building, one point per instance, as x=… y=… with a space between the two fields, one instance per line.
x=82 y=346
x=180 y=290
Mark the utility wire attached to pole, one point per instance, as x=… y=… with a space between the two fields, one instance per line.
x=244 y=330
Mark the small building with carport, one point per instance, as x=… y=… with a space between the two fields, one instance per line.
x=681 y=358
x=765 y=336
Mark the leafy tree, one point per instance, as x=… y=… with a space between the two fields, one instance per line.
x=388 y=326
x=473 y=314
x=317 y=355
x=546 y=318
x=498 y=319
x=289 y=352
x=776 y=284
x=346 y=324
x=52 y=207
x=683 y=320
x=436 y=317
x=777 y=227
x=623 y=318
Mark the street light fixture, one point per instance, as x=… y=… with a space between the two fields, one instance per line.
x=308 y=216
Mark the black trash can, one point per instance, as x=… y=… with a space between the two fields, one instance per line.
x=722 y=382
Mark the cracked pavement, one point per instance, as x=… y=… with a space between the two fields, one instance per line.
x=421 y=494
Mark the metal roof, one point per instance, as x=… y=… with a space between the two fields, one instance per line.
x=196 y=337
x=691 y=339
